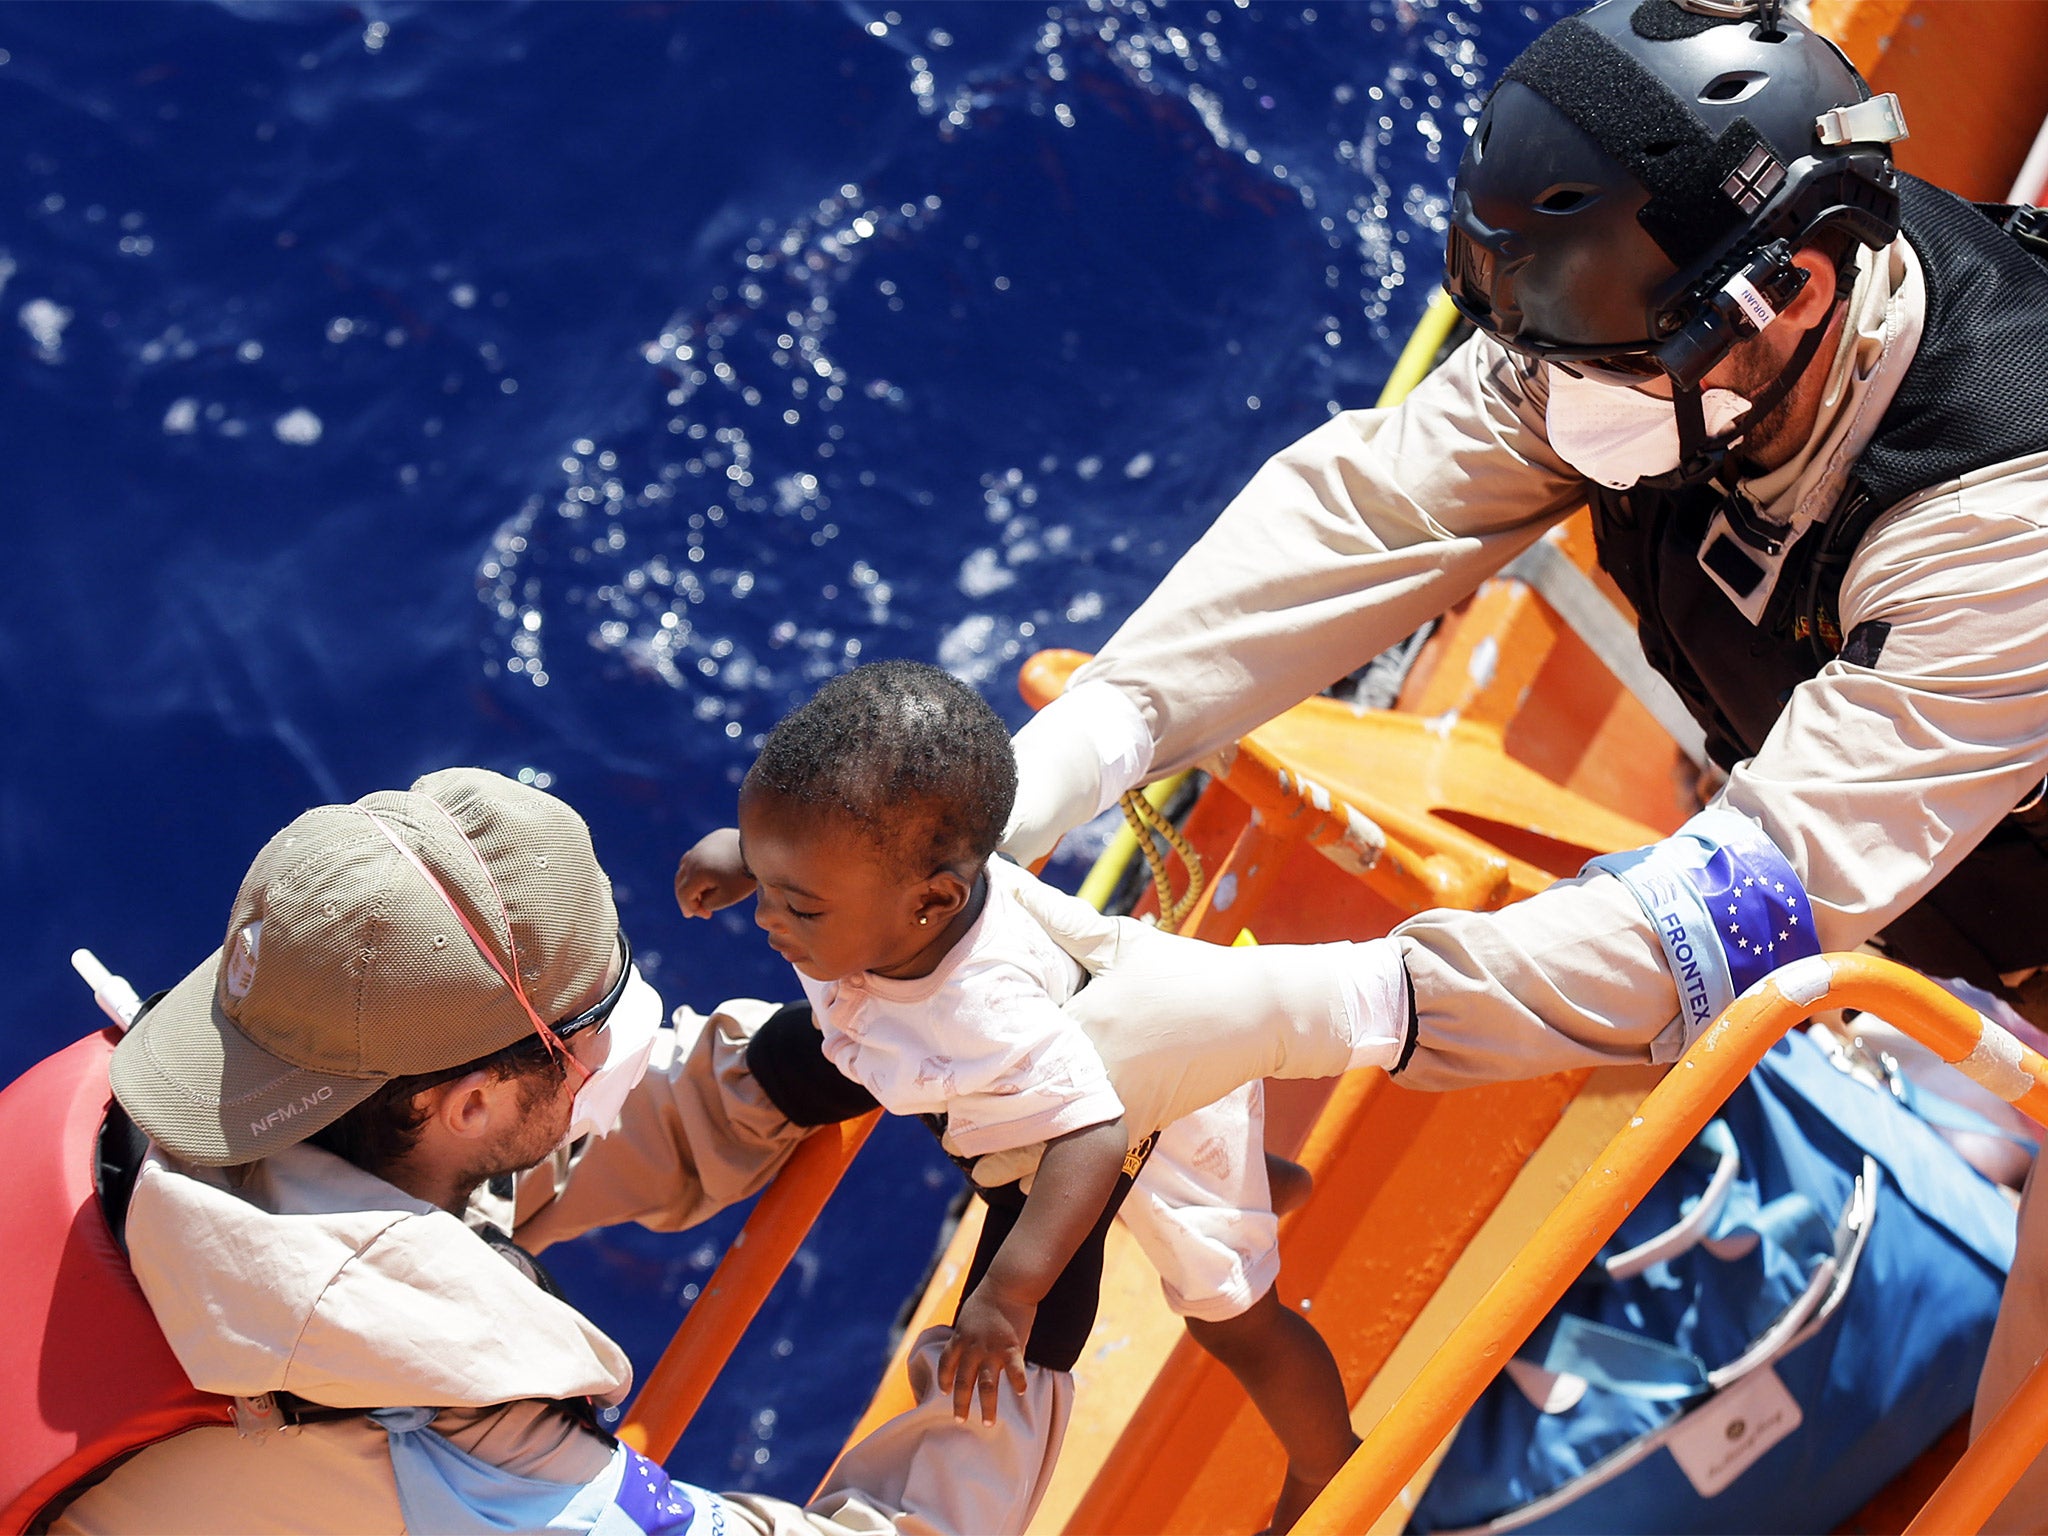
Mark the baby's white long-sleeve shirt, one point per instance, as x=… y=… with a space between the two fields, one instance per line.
x=981 y=1040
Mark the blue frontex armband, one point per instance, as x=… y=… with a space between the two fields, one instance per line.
x=1726 y=906
x=447 y=1490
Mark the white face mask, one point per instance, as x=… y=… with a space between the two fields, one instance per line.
x=631 y=1028
x=1616 y=436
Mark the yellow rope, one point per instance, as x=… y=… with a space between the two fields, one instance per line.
x=1149 y=825
x=1107 y=873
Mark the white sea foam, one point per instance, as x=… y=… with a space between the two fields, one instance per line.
x=983 y=572
x=299 y=427
x=45 y=321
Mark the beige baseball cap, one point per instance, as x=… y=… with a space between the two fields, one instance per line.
x=345 y=965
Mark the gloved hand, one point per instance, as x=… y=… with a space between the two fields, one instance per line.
x=1180 y=1022
x=1075 y=759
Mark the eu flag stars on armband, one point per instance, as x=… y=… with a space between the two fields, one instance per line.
x=443 y=1488
x=1726 y=905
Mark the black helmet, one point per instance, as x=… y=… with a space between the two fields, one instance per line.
x=1641 y=175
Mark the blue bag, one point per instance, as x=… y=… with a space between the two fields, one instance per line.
x=1796 y=1310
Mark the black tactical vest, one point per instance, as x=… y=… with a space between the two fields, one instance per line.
x=1976 y=394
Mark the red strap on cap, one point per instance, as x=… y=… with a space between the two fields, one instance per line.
x=511 y=977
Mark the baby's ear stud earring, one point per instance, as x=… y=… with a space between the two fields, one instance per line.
x=922 y=921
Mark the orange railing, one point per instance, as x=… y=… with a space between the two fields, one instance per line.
x=676 y=1387
x=1674 y=1113
x=1992 y=1465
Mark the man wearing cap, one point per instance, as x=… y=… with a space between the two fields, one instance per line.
x=422 y=999
x=1803 y=395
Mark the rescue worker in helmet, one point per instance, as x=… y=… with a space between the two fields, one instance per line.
x=1802 y=392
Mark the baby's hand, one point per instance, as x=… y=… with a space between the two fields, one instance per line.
x=711 y=874
x=987 y=1345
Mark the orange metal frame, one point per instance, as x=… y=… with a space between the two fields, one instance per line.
x=1671 y=1117
x=775 y=1229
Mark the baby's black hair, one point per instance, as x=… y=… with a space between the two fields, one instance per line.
x=913 y=755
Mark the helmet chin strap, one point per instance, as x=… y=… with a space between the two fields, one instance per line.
x=1701 y=457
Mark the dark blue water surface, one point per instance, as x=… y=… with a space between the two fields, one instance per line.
x=568 y=389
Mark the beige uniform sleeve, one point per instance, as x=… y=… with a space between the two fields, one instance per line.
x=1341 y=545
x=1874 y=783
x=696 y=1135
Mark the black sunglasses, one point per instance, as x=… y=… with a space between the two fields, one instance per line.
x=600 y=1010
x=1737 y=300
x=1609 y=363
x=1627 y=370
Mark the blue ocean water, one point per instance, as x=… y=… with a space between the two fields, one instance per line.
x=568 y=389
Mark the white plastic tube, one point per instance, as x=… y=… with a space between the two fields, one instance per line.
x=116 y=998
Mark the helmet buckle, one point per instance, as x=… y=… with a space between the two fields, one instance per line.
x=1726 y=10
x=1879 y=120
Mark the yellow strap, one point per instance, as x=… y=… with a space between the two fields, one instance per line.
x=1419 y=355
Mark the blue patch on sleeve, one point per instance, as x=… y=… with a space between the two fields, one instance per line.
x=1726 y=905
x=444 y=1489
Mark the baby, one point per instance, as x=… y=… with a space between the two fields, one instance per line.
x=867 y=829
